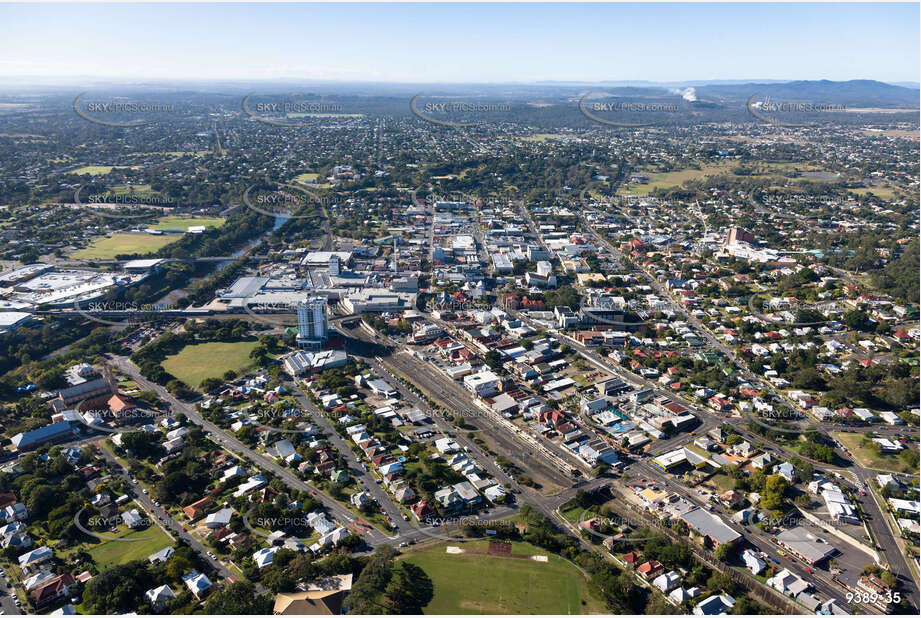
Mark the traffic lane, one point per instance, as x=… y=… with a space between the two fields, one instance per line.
x=8 y=597
x=358 y=470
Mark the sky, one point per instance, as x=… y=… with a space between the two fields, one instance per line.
x=444 y=43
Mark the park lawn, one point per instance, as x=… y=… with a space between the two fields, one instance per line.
x=307 y=177
x=478 y=584
x=110 y=553
x=182 y=223
x=108 y=247
x=100 y=170
x=200 y=361
x=867 y=458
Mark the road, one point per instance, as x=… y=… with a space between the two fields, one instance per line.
x=340 y=513
x=358 y=470
x=163 y=519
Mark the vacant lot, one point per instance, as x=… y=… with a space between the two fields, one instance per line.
x=201 y=361
x=477 y=584
x=182 y=223
x=135 y=546
x=869 y=459
x=108 y=247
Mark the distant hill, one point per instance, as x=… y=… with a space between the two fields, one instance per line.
x=854 y=93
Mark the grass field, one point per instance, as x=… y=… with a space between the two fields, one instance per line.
x=476 y=584
x=100 y=170
x=108 y=247
x=664 y=180
x=126 y=189
x=110 y=553
x=886 y=193
x=867 y=458
x=308 y=177
x=541 y=137
x=201 y=361
x=181 y=223
x=667 y=180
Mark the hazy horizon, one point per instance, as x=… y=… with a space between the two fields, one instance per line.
x=452 y=43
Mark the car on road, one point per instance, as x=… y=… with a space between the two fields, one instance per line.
x=145 y=491
x=404 y=544
x=212 y=556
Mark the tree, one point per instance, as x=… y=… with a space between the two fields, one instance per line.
x=237 y=598
x=409 y=589
x=723 y=552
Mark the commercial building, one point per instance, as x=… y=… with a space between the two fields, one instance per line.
x=806 y=545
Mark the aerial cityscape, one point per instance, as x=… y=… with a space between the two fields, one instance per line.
x=460 y=309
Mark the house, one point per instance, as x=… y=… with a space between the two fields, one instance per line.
x=680 y=595
x=197 y=509
x=197 y=583
x=15 y=512
x=742 y=449
x=159 y=597
x=264 y=557
x=253 y=483
x=632 y=559
x=786 y=470
x=52 y=590
x=324 y=596
x=405 y=494
x=650 y=569
x=667 y=581
x=763 y=461
x=17 y=540
x=753 y=561
x=716 y=605
x=787 y=583
x=133 y=519
x=35 y=557
x=219 y=519
x=161 y=556
x=874 y=588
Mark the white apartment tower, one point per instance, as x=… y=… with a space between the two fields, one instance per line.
x=312 y=322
